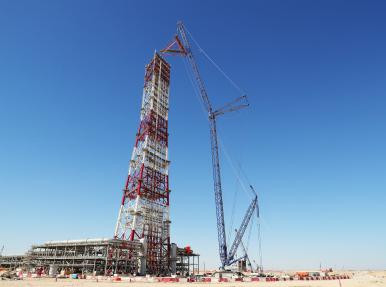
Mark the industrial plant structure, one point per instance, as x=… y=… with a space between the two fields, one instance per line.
x=141 y=243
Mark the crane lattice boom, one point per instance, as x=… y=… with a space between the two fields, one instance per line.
x=183 y=48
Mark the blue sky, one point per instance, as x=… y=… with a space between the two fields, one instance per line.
x=312 y=143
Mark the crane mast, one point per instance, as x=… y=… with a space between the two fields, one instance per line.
x=240 y=232
x=183 y=48
x=214 y=146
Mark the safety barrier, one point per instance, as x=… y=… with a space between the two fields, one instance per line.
x=168 y=279
x=251 y=279
x=332 y=277
x=271 y=279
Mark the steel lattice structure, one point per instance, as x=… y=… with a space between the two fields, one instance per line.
x=144 y=210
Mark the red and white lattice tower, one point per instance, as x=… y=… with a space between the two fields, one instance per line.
x=144 y=210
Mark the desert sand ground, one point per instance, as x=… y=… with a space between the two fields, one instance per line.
x=359 y=279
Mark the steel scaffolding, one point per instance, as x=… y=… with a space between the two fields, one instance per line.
x=188 y=263
x=88 y=256
x=144 y=210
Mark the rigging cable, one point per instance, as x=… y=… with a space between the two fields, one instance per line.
x=201 y=50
